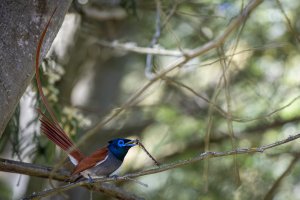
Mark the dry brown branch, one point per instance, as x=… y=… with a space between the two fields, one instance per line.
x=108 y=189
x=59 y=175
x=31 y=169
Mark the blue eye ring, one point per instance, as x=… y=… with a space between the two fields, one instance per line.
x=121 y=143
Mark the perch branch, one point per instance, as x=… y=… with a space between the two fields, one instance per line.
x=59 y=175
x=165 y=167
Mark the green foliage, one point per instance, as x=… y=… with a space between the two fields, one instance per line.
x=250 y=83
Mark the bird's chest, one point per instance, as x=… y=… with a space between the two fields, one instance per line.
x=104 y=168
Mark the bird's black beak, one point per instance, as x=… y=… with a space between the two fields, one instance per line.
x=131 y=143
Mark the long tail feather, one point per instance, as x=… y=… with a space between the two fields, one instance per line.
x=59 y=137
x=37 y=72
x=51 y=127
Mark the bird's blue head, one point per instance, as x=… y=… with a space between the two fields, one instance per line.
x=119 y=147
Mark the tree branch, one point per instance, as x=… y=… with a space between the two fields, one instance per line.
x=130 y=46
x=25 y=169
x=32 y=170
x=59 y=175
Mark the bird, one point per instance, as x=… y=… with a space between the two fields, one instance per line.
x=103 y=162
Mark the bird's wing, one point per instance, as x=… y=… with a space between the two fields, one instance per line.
x=92 y=160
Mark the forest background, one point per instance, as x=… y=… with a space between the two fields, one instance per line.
x=184 y=76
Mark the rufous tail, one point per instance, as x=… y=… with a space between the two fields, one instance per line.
x=55 y=133
x=51 y=127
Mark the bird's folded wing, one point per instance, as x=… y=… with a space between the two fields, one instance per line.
x=91 y=161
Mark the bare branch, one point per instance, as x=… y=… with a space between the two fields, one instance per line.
x=130 y=46
x=109 y=189
x=59 y=175
x=32 y=170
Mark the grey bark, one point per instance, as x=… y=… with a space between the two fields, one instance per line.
x=21 y=25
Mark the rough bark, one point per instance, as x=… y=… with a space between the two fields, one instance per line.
x=21 y=25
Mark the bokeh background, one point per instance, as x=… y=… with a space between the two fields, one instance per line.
x=245 y=93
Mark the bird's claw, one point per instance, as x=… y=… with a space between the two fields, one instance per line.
x=91 y=180
x=114 y=177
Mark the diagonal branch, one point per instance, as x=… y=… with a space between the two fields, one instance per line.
x=271 y=193
x=235 y=23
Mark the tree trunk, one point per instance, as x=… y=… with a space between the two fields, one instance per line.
x=21 y=25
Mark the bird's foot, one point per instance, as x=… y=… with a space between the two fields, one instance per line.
x=114 y=177
x=74 y=179
x=91 y=180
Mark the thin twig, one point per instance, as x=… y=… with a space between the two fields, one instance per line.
x=270 y=194
x=136 y=181
x=143 y=147
x=289 y=23
x=223 y=112
x=149 y=59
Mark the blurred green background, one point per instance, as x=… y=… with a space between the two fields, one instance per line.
x=243 y=94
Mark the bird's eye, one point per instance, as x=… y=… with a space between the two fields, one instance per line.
x=121 y=143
